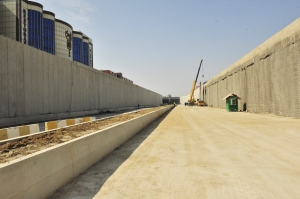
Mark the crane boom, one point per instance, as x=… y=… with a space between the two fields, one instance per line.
x=192 y=100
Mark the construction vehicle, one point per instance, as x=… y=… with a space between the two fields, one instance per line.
x=200 y=103
x=192 y=101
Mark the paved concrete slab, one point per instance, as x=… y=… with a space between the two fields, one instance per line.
x=200 y=152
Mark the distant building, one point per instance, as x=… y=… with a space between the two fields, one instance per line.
x=198 y=94
x=27 y=22
x=172 y=100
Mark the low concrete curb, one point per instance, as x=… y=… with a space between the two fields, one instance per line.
x=40 y=174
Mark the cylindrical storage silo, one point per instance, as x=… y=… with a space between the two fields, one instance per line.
x=49 y=31
x=85 y=50
x=10 y=19
x=77 y=47
x=63 y=39
x=91 y=52
x=35 y=25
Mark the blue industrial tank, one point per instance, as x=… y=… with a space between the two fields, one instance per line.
x=77 y=46
x=85 y=50
x=35 y=25
x=49 y=32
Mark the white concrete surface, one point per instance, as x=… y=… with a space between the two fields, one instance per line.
x=199 y=152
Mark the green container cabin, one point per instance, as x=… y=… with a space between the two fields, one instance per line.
x=232 y=103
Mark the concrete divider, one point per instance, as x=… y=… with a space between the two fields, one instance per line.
x=88 y=119
x=40 y=174
x=63 y=123
x=51 y=125
x=78 y=120
x=18 y=131
x=3 y=134
x=70 y=122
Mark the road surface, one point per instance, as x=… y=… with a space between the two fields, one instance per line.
x=199 y=152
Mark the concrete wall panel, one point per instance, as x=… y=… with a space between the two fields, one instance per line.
x=75 y=88
x=46 y=82
x=40 y=80
x=4 y=78
x=51 y=91
x=27 y=80
x=12 y=80
x=267 y=78
x=20 y=93
x=55 y=83
x=37 y=86
x=15 y=79
x=64 y=82
x=34 y=61
x=68 y=77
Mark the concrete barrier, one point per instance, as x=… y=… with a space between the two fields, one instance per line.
x=69 y=122
x=40 y=174
x=51 y=125
x=18 y=131
x=3 y=134
x=88 y=119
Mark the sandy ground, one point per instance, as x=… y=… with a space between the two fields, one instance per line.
x=16 y=149
x=199 y=152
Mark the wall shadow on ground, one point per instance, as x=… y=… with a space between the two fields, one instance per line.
x=90 y=182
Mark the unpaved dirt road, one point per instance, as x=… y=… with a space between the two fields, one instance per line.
x=199 y=152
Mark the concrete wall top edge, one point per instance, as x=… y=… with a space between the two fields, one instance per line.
x=288 y=31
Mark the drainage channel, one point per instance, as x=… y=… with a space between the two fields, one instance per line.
x=98 y=117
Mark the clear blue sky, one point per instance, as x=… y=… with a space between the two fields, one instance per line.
x=159 y=43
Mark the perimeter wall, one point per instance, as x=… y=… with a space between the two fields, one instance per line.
x=37 y=86
x=267 y=79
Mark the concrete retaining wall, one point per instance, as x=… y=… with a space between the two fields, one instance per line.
x=41 y=174
x=267 y=79
x=37 y=86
